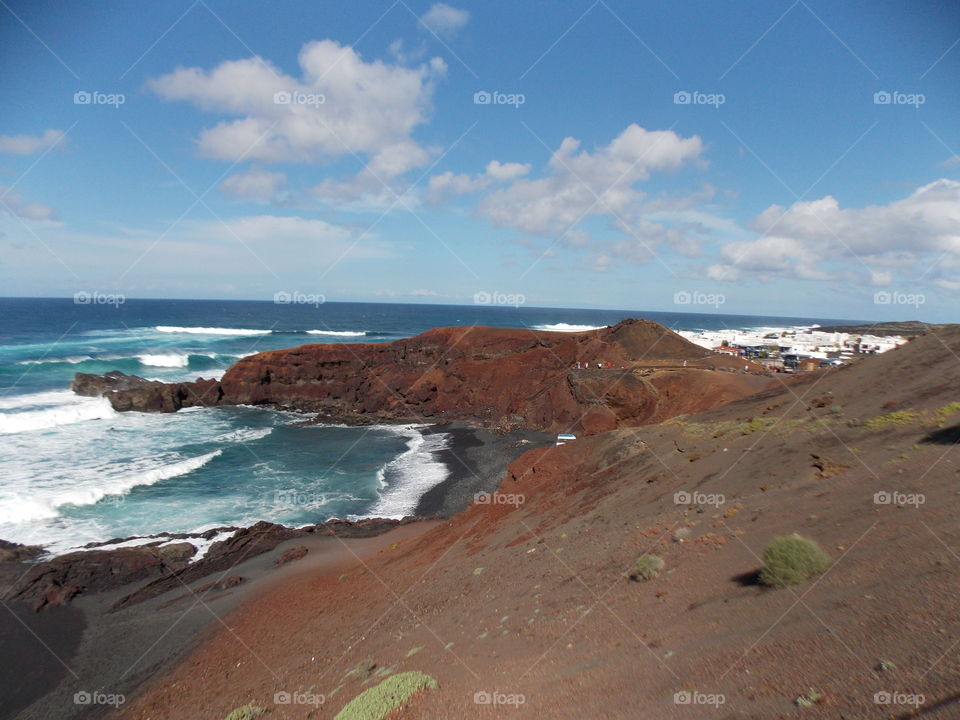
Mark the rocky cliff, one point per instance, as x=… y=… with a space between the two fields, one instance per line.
x=631 y=373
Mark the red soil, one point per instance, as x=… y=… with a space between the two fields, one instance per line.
x=531 y=598
x=500 y=377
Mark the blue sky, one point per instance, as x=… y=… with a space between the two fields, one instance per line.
x=238 y=150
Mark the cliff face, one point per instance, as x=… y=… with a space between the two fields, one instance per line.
x=499 y=377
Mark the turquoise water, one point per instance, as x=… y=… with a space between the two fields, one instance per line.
x=73 y=471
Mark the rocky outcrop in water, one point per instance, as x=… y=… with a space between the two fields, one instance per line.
x=132 y=392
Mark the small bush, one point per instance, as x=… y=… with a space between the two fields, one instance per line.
x=247 y=712
x=647 y=568
x=383 y=700
x=790 y=560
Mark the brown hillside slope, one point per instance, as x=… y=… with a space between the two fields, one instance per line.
x=531 y=598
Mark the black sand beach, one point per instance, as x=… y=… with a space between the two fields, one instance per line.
x=477 y=460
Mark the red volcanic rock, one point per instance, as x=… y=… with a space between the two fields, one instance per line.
x=294 y=553
x=498 y=377
x=632 y=373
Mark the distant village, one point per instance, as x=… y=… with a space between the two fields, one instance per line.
x=795 y=349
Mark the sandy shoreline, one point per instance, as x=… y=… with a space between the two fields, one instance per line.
x=476 y=460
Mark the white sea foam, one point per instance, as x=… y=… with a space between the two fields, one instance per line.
x=405 y=479
x=41 y=399
x=73 y=360
x=44 y=503
x=169 y=360
x=202 y=545
x=566 y=327
x=209 y=330
x=338 y=333
x=63 y=411
x=244 y=435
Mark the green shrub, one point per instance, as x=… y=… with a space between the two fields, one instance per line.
x=382 y=700
x=647 y=568
x=791 y=559
x=247 y=712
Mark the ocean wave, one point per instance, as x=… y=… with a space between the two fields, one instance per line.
x=37 y=400
x=166 y=360
x=209 y=330
x=338 y=333
x=171 y=359
x=21 y=510
x=244 y=435
x=408 y=477
x=566 y=327
x=69 y=410
x=73 y=360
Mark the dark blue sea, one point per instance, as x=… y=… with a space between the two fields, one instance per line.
x=74 y=471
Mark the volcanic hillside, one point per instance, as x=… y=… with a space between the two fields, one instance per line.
x=527 y=595
x=499 y=377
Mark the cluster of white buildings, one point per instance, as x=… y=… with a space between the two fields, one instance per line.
x=792 y=348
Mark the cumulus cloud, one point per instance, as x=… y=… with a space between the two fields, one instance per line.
x=29 y=144
x=256 y=185
x=444 y=20
x=340 y=106
x=583 y=184
x=450 y=183
x=807 y=239
x=13 y=202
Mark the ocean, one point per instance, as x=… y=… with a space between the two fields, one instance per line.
x=73 y=471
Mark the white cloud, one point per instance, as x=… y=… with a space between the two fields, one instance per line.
x=807 y=239
x=29 y=144
x=341 y=106
x=13 y=202
x=444 y=20
x=952 y=161
x=256 y=185
x=462 y=183
x=582 y=184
